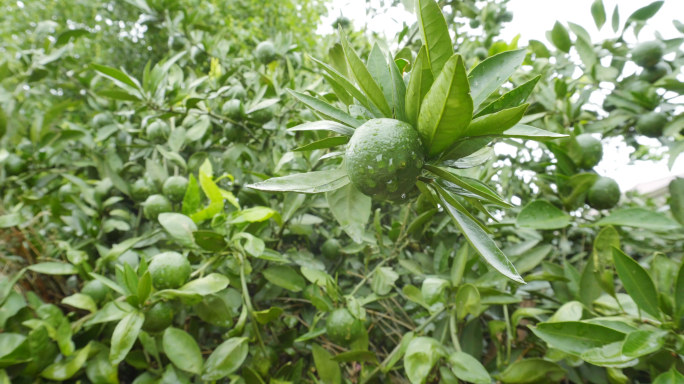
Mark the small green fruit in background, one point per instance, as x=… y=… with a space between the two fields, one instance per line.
x=604 y=194
x=591 y=150
x=233 y=109
x=158 y=317
x=649 y=53
x=651 y=124
x=169 y=270
x=157 y=131
x=15 y=165
x=331 y=248
x=96 y=290
x=174 y=188
x=265 y=52
x=156 y=204
x=343 y=328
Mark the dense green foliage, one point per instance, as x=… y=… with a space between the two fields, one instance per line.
x=178 y=200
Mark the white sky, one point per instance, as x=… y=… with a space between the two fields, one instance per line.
x=532 y=19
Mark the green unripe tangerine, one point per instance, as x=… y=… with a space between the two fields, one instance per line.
x=343 y=328
x=169 y=270
x=157 y=131
x=265 y=52
x=15 y=165
x=649 y=53
x=233 y=109
x=604 y=193
x=591 y=150
x=384 y=157
x=654 y=73
x=651 y=124
x=140 y=190
x=174 y=188
x=156 y=204
x=96 y=290
x=331 y=248
x=158 y=317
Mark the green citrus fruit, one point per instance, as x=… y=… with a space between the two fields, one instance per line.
x=481 y=53
x=474 y=23
x=157 y=131
x=343 y=328
x=591 y=150
x=649 y=53
x=15 y=165
x=265 y=52
x=384 y=157
x=233 y=109
x=331 y=248
x=169 y=270
x=262 y=115
x=654 y=73
x=174 y=188
x=102 y=119
x=96 y=290
x=156 y=204
x=604 y=194
x=651 y=124
x=158 y=317
x=140 y=190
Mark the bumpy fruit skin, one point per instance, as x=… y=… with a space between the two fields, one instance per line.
x=383 y=158
x=96 y=290
x=15 y=165
x=174 y=188
x=169 y=270
x=655 y=72
x=604 y=194
x=343 y=328
x=156 y=204
x=649 y=53
x=158 y=317
x=591 y=149
x=651 y=124
x=265 y=52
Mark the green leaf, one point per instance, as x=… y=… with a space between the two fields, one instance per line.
x=380 y=72
x=467 y=302
x=324 y=125
x=225 y=359
x=479 y=157
x=575 y=337
x=383 y=280
x=325 y=109
x=637 y=282
x=479 y=189
x=311 y=182
x=447 y=108
x=351 y=209
x=285 y=277
x=119 y=78
x=364 y=78
x=645 y=13
x=641 y=343
x=328 y=370
x=495 y=123
x=534 y=370
x=679 y=295
x=602 y=257
x=490 y=74
x=14 y=349
x=419 y=84
x=53 y=268
x=359 y=355
x=609 y=355
x=182 y=349
x=510 y=99
x=468 y=368
x=435 y=34
x=598 y=12
x=11 y=220
x=560 y=37
x=639 y=218
x=65 y=369
x=670 y=377
x=81 y=301
x=676 y=188
x=209 y=240
x=421 y=355
x=615 y=19
x=344 y=82
x=540 y=214
x=328 y=142
x=179 y=226
x=479 y=239
x=124 y=336
x=398 y=100
x=268 y=315
x=211 y=283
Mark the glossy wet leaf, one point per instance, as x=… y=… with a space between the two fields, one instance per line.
x=637 y=282
x=533 y=370
x=285 y=277
x=179 y=227
x=575 y=337
x=124 y=336
x=225 y=359
x=328 y=370
x=419 y=84
x=182 y=349
x=422 y=353
x=64 y=370
x=490 y=74
x=540 y=214
x=435 y=34
x=351 y=209
x=311 y=182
